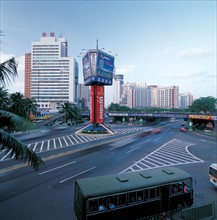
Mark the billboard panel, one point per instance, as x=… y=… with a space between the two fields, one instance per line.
x=86 y=66
x=105 y=65
x=98 y=68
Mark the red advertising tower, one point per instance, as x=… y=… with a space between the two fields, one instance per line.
x=98 y=68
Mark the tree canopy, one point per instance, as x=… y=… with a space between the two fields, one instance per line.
x=204 y=104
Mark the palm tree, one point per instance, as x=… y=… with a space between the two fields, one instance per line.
x=31 y=105
x=74 y=114
x=8 y=120
x=66 y=109
x=71 y=112
x=18 y=104
x=4 y=98
x=8 y=71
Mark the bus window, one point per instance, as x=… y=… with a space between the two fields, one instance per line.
x=177 y=187
x=187 y=186
x=103 y=204
x=113 y=201
x=174 y=188
x=180 y=187
x=152 y=193
x=157 y=192
x=146 y=193
x=122 y=199
x=93 y=205
x=132 y=197
x=140 y=195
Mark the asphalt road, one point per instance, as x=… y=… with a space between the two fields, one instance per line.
x=48 y=193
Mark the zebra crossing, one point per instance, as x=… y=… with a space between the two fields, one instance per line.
x=174 y=152
x=65 y=141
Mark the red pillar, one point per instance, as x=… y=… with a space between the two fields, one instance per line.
x=96 y=104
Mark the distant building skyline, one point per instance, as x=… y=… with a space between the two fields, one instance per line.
x=51 y=77
x=140 y=95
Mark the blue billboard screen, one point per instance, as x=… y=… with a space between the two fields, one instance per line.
x=105 y=65
x=98 y=68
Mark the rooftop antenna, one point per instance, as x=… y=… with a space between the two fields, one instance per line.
x=97 y=43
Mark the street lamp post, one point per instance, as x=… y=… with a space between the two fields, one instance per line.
x=38 y=86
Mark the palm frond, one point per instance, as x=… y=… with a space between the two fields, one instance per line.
x=8 y=71
x=18 y=122
x=19 y=149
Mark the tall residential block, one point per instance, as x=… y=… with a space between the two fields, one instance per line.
x=185 y=100
x=54 y=75
x=168 y=97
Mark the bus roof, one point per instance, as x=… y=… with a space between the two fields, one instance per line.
x=122 y=182
x=214 y=166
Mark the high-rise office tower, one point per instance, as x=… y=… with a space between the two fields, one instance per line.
x=54 y=75
x=118 y=87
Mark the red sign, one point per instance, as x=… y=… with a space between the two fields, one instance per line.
x=97 y=104
x=92 y=104
x=100 y=104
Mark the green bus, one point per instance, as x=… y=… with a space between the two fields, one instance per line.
x=132 y=195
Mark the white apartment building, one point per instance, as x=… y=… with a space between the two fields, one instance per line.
x=139 y=96
x=54 y=75
x=185 y=100
x=126 y=99
x=168 y=97
x=118 y=87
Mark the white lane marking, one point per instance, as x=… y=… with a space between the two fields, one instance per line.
x=6 y=155
x=65 y=141
x=47 y=171
x=74 y=139
x=62 y=181
x=54 y=143
x=48 y=145
x=70 y=140
x=133 y=149
x=79 y=138
x=42 y=143
x=61 y=145
x=161 y=154
x=35 y=146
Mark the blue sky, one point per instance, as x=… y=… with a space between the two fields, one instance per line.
x=158 y=42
